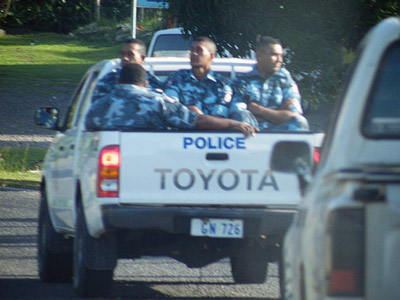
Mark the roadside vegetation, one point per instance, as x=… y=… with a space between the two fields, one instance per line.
x=21 y=167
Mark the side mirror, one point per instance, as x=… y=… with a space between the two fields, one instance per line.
x=47 y=117
x=293 y=157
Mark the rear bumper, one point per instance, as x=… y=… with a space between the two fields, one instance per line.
x=176 y=220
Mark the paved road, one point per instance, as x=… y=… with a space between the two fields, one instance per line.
x=147 y=278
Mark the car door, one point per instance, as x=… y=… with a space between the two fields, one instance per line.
x=382 y=214
x=64 y=148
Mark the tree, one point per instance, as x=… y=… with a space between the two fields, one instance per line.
x=4 y=8
x=314 y=32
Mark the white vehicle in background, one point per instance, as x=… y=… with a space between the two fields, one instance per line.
x=344 y=242
x=169 y=43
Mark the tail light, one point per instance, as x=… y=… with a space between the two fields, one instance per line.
x=108 y=172
x=317 y=153
x=345 y=253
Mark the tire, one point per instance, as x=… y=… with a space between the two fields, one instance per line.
x=54 y=261
x=281 y=269
x=249 y=270
x=88 y=282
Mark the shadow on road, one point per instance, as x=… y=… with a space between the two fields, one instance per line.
x=31 y=289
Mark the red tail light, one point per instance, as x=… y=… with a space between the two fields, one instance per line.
x=317 y=154
x=345 y=253
x=108 y=172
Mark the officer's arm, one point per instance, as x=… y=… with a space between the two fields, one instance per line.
x=210 y=122
x=276 y=116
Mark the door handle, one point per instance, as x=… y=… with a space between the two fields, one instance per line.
x=217 y=156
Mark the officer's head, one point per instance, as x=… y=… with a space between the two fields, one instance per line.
x=133 y=51
x=202 y=52
x=269 y=55
x=132 y=73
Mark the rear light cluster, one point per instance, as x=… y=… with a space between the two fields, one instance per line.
x=345 y=242
x=317 y=153
x=108 y=172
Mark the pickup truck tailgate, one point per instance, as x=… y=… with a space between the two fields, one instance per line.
x=199 y=168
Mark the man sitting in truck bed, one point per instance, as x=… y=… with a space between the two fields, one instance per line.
x=133 y=51
x=269 y=90
x=132 y=106
x=202 y=90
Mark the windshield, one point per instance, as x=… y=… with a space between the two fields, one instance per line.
x=172 y=45
x=382 y=119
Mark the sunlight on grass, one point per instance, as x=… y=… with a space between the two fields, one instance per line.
x=21 y=167
x=49 y=59
x=25 y=180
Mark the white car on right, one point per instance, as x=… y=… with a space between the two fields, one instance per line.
x=344 y=242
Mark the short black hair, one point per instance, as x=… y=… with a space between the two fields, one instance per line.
x=266 y=41
x=209 y=42
x=140 y=43
x=132 y=74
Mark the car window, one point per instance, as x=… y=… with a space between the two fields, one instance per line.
x=382 y=119
x=172 y=45
x=91 y=84
x=76 y=105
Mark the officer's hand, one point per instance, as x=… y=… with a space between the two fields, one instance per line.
x=195 y=109
x=245 y=128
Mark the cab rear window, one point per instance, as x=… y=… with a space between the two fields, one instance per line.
x=382 y=118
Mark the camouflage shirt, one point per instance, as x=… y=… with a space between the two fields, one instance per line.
x=130 y=107
x=212 y=95
x=106 y=84
x=271 y=92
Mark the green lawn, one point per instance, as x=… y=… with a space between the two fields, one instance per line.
x=21 y=167
x=44 y=61
x=49 y=59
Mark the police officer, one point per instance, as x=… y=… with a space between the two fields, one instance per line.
x=133 y=51
x=131 y=105
x=269 y=90
x=202 y=90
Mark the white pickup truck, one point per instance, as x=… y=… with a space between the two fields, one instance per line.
x=344 y=243
x=197 y=197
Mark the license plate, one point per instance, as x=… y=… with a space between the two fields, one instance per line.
x=219 y=228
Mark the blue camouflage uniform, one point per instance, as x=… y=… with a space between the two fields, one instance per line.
x=106 y=84
x=212 y=95
x=130 y=107
x=270 y=93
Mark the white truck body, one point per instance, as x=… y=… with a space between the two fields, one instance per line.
x=344 y=242
x=196 y=196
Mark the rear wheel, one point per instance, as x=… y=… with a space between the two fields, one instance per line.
x=249 y=270
x=88 y=282
x=281 y=268
x=54 y=261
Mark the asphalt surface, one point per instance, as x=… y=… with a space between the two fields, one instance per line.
x=146 y=278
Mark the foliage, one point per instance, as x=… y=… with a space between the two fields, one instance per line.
x=314 y=32
x=49 y=15
x=115 y=9
x=4 y=8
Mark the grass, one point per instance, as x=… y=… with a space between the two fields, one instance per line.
x=49 y=59
x=21 y=167
x=42 y=61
